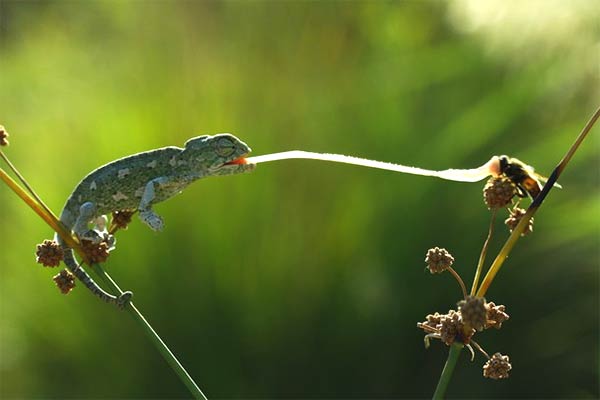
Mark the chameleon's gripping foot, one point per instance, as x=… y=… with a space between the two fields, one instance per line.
x=124 y=299
x=153 y=220
x=91 y=236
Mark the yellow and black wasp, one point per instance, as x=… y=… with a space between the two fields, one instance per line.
x=523 y=176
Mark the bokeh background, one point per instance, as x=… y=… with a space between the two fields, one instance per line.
x=303 y=279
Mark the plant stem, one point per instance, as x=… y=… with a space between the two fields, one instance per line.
x=460 y=281
x=27 y=199
x=153 y=336
x=48 y=216
x=484 y=250
x=25 y=183
x=446 y=375
x=535 y=205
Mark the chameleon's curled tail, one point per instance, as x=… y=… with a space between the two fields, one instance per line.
x=83 y=276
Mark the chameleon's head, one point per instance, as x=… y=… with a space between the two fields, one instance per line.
x=222 y=154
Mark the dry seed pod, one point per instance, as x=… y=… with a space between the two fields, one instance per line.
x=473 y=312
x=516 y=214
x=49 y=253
x=495 y=315
x=65 y=281
x=497 y=367
x=498 y=192
x=438 y=260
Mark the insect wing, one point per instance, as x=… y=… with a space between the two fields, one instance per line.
x=543 y=179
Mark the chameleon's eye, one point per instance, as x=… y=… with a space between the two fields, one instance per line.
x=225 y=147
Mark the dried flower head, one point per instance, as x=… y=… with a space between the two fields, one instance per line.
x=495 y=315
x=65 y=281
x=438 y=260
x=95 y=252
x=497 y=367
x=121 y=218
x=49 y=253
x=498 y=192
x=452 y=328
x=432 y=320
x=516 y=214
x=3 y=136
x=473 y=312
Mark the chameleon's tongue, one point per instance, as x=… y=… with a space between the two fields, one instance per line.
x=237 y=161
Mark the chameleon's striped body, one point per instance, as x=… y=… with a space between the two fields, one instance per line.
x=137 y=182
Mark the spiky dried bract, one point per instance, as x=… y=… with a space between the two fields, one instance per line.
x=473 y=312
x=96 y=252
x=3 y=136
x=65 y=281
x=516 y=214
x=495 y=315
x=497 y=367
x=438 y=260
x=121 y=218
x=49 y=253
x=432 y=320
x=498 y=192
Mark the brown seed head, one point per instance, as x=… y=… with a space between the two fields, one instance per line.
x=513 y=220
x=3 y=136
x=431 y=323
x=49 y=253
x=495 y=315
x=498 y=192
x=473 y=312
x=95 y=252
x=438 y=260
x=497 y=367
x=120 y=219
x=450 y=327
x=65 y=281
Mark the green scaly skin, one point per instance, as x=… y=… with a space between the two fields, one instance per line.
x=136 y=182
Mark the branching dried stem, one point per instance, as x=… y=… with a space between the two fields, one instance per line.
x=460 y=281
x=501 y=257
x=522 y=225
x=478 y=347
x=483 y=253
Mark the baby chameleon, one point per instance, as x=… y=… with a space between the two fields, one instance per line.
x=137 y=182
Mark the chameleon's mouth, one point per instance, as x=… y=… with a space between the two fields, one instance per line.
x=237 y=161
x=237 y=165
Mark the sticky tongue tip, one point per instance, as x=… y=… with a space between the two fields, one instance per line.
x=237 y=161
x=493 y=166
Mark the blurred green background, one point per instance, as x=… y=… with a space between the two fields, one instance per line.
x=303 y=279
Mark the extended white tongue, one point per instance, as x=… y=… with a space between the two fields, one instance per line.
x=459 y=175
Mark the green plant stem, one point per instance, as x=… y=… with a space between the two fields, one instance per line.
x=484 y=250
x=25 y=183
x=48 y=216
x=440 y=390
x=535 y=205
x=153 y=336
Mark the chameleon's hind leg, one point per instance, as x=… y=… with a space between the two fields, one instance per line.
x=101 y=228
x=147 y=215
x=87 y=212
x=121 y=301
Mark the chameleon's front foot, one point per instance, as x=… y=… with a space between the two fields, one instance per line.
x=124 y=299
x=153 y=220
